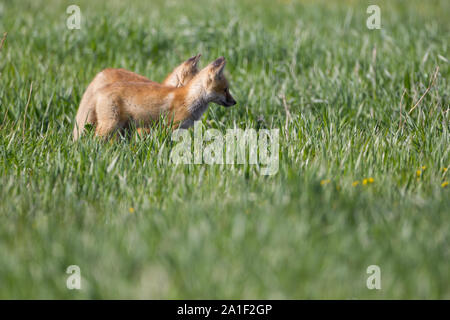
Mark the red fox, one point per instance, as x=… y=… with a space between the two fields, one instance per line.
x=177 y=78
x=117 y=104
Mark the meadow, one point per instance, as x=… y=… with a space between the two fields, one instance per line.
x=363 y=153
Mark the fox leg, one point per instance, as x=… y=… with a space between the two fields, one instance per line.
x=143 y=131
x=108 y=118
x=107 y=127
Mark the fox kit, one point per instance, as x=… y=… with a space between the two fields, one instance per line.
x=119 y=103
x=177 y=78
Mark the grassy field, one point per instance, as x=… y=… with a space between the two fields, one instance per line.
x=140 y=227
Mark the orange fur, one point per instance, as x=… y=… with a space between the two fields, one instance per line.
x=118 y=104
x=86 y=111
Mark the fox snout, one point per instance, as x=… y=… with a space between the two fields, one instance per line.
x=229 y=100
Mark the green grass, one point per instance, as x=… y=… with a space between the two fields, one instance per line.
x=204 y=231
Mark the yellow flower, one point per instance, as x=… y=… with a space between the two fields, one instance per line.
x=324 y=182
x=424 y=167
x=444 y=169
x=371 y=180
x=444 y=184
x=365 y=181
x=131 y=210
x=418 y=173
x=355 y=183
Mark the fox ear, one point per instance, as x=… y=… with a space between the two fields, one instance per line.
x=218 y=65
x=194 y=60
